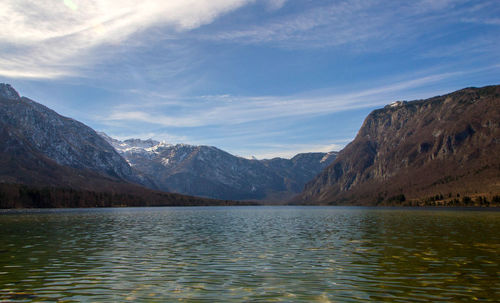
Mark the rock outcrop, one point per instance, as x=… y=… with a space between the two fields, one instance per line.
x=446 y=147
x=31 y=129
x=47 y=160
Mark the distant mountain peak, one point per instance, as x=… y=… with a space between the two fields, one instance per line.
x=8 y=92
x=210 y=172
x=142 y=143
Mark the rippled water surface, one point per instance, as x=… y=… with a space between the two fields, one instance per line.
x=282 y=254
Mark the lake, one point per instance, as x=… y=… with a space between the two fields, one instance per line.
x=267 y=254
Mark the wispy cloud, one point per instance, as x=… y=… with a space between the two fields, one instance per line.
x=50 y=39
x=230 y=72
x=249 y=126
x=232 y=110
x=68 y=38
x=478 y=45
x=275 y=4
x=488 y=21
x=312 y=24
x=364 y=25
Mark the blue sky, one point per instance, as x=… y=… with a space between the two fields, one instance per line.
x=255 y=78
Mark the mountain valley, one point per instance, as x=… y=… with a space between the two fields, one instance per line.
x=210 y=172
x=439 y=151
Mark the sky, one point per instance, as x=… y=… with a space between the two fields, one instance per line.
x=255 y=78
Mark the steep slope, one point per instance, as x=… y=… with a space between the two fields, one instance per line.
x=210 y=172
x=434 y=151
x=37 y=129
x=47 y=160
x=299 y=170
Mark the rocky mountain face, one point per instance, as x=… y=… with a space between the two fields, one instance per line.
x=210 y=172
x=40 y=146
x=300 y=169
x=441 y=149
x=47 y=160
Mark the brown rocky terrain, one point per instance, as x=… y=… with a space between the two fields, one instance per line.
x=440 y=151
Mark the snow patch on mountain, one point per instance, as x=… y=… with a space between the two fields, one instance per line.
x=210 y=172
x=327 y=157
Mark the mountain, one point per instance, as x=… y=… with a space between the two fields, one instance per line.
x=32 y=130
x=40 y=149
x=210 y=172
x=440 y=151
x=300 y=169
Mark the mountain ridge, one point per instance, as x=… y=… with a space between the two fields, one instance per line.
x=211 y=172
x=63 y=140
x=48 y=160
x=412 y=152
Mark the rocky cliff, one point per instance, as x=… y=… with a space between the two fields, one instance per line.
x=438 y=150
x=47 y=160
x=33 y=130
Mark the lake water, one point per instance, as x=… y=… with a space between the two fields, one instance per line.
x=266 y=254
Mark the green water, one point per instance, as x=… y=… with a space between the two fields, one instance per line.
x=266 y=254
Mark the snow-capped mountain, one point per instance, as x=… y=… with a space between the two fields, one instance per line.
x=210 y=172
x=39 y=134
x=40 y=147
x=132 y=145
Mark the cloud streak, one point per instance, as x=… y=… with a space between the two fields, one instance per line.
x=364 y=25
x=52 y=39
x=255 y=124
x=233 y=110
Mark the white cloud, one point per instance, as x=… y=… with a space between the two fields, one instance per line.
x=489 y=21
x=331 y=24
x=48 y=39
x=255 y=121
x=425 y=5
x=103 y=20
x=57 y=38
x=364 y=25
x=275 y=4
x=232 y=110
x=153 y=118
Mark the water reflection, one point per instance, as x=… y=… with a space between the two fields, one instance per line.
x=250 y=253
